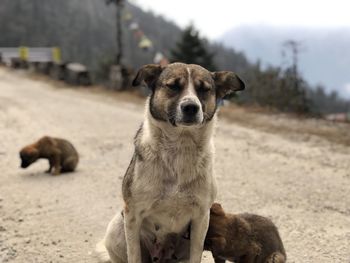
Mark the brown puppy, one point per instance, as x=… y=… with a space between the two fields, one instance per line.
x=61 y=154
x=243 y=238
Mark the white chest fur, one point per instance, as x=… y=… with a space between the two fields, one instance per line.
x=174 y=178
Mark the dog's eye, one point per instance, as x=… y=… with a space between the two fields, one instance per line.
x=174 y=86
x=204 y=87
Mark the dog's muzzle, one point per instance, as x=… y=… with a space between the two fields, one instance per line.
x=190 y=113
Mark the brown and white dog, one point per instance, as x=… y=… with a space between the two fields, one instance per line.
x=169 y=184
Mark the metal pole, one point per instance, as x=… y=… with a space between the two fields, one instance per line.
x=115 y=73
x=295 y=48
x=119 y=5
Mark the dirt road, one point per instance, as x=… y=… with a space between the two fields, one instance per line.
x=302 y=184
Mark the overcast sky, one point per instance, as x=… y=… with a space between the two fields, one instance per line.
x=213 y=18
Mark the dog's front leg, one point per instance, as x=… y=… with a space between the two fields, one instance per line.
x=199 y=228
x=55 y=159
x=132 y=224
x=51 y=164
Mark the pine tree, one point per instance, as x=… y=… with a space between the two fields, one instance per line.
x=191 y=49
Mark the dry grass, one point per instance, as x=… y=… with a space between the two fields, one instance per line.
x=287 y=124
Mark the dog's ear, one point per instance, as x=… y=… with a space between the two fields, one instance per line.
x=34 y=152
x=226 y=82
x=216 y=209
x=149 y=74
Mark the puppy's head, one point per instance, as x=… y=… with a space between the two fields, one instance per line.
x=217 y=227
x=217 y=221
x=28 y=155
x=216 y=210
x=186 y=95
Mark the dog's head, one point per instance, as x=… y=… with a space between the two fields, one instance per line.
x=216 y=210
x=217 y=227
x=186 y=94
x=28 y=155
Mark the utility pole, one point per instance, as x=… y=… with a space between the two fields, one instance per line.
x=115 y=74
x=296 y=47
x=119 y=4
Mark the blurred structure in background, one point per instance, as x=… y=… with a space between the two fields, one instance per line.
x=160 y=59
x=47 y=61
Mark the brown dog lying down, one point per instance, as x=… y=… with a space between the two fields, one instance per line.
x=61 y=154
x=243 y=238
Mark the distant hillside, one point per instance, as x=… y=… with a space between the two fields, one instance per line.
x=325 y=55
x=85 y=30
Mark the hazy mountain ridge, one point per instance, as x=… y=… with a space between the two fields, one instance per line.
x=324 y=57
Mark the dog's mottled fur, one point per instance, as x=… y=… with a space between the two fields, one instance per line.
x=61 y=154
x=169 y=184
x=243 y=238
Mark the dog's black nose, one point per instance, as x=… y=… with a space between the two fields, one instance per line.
x=189 y=108
x=155 y=259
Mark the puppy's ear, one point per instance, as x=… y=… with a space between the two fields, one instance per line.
x=34 y=152
x=226 y=82
x=216 y=209
x=149 y=74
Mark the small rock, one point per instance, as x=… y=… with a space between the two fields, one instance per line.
x=86 y=240
x=20 y=219
x=28 y=240
x=61 y=256
x=2 y=229
x=53 y=243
